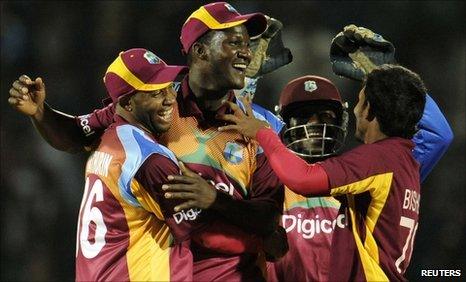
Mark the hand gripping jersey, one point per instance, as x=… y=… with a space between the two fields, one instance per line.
x=431 y=142
x=234 y=165
x=123 y=228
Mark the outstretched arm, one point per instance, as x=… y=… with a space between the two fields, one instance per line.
x=301 y=177
x=60 y=130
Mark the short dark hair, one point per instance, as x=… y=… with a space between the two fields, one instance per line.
x=397 y=97
x=204 y=39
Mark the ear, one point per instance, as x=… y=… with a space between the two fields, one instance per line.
x=199 y=50
x=369 y=114
x=125 y=102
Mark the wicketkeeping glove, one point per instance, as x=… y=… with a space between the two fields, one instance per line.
x=268 y=51
x=356 y=51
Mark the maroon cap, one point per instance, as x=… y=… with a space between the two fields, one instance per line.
x=308 y=88
x=139 y=70
x=218 y=15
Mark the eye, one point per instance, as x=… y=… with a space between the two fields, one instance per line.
x=327 y=116
x=235 y=43
x=156 y=93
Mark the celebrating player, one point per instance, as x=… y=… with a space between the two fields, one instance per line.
x=316 y=120
x=121 y=204
x=379 y=181
x=216 y=39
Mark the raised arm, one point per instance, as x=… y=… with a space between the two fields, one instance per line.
x=60 y=130
x=354 y=53
x=433 y=138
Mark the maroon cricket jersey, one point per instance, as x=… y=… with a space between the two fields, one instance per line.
x=233 y=164
x=127 y=230
x=309 y=223
x=381 y=185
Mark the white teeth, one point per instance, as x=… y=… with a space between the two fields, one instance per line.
x=240 y=66
x=166 y=114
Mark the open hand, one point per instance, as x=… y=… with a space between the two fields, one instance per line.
x=27 y=96
x=191 y=187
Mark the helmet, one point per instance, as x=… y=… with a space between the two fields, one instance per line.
x=316 y=117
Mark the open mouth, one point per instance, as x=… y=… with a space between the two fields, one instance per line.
x=241 y=67
x=166 y=115
x=314 y=134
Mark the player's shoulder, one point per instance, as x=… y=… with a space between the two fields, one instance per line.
x=264 y=114
x=140 y=143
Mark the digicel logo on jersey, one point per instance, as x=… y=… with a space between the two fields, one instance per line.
x=309 y=227
x=192 y=214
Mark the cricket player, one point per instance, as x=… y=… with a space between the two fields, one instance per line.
x=125 y=228
x=316 y=120
x=216 y=41
x=378 y=183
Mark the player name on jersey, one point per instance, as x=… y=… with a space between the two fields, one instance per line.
x=411 y=200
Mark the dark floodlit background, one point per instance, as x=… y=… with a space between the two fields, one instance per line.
x=70 y=45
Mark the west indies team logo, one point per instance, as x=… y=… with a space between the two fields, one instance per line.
x=310 y=86
x=151 y=58
x=233 y=152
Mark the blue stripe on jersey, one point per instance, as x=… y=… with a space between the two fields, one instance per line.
x=265 y=115
x=260 y=113
x=137 y=148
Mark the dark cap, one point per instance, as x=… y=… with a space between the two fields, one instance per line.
x=308 y=88
x=138 y=70
x=217 y=16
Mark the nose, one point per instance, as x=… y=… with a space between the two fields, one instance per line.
x=314 y=119
x=245 y=53
x=169 y=96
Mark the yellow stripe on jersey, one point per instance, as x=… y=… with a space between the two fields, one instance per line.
x=159 y=253
x=148 y=254
x=146 y=200
x=293 y=200
x=379 y=187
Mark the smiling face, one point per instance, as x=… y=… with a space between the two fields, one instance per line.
x=228 y=56
x=154 y=109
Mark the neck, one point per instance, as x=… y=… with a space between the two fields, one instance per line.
x=129 y=117
x=208 y=95
x=373 y=133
